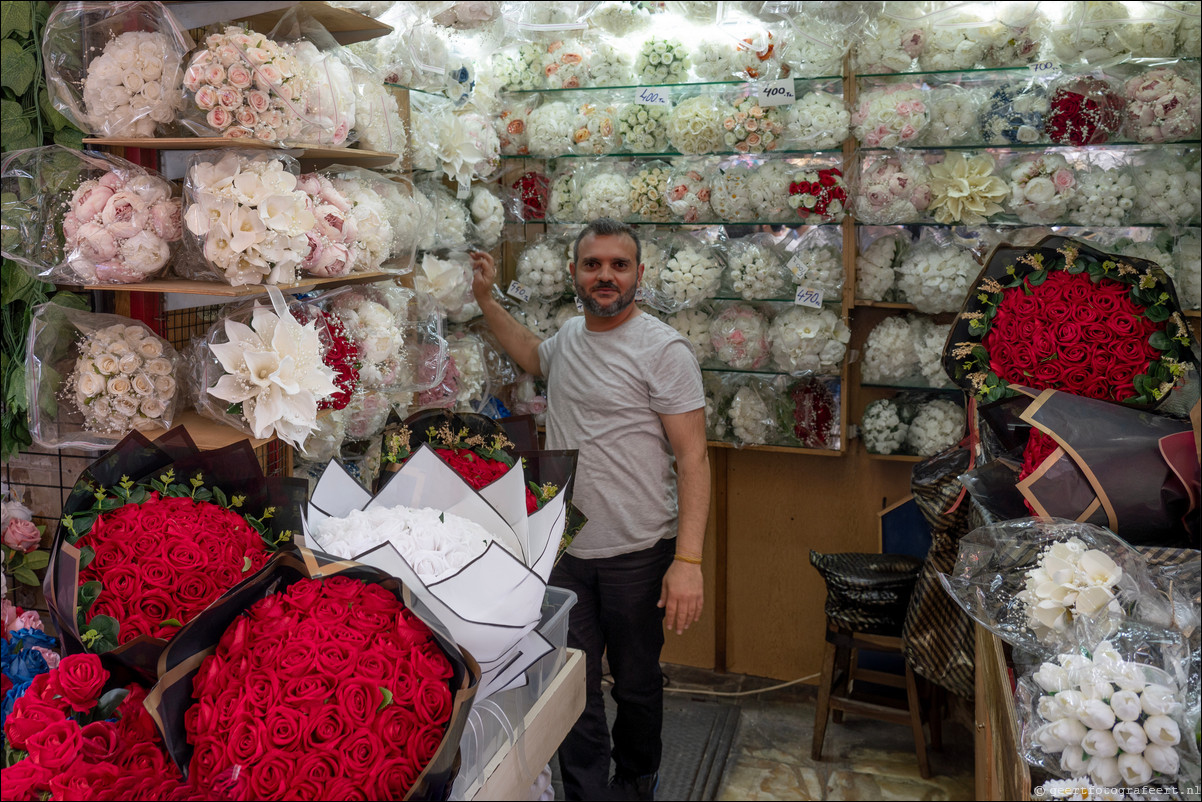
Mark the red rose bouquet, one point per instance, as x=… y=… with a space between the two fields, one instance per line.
x=69 y=738
x=342 y=355
x=154 y=533
x=1084 y=111
x=530 y=193
x=314 y=681
x=814 y=414
x=818 y=196
x=1064 y=316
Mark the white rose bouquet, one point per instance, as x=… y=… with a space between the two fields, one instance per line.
x=929 y=339
x=596 y=130
x=1103 y=197
x=550 y=129
x=246 y=85
x=808 y=340
x=953 y=115
x=520 y=69
x=937 y=425
x=604 y=194
x=488 y=217
x=1091 y=32
x=695 y=125
x=249 y=217
x=566 y=63
x=875 y=274
x=450 y=218
x=539 y=317
x=330 y=97
x=889 y=117
x=956 y=41
x=818 y=121
x=620 y=19
x=123 y=380
x=689 y=190
x=1170 y=188
x=379 y=125
x=893 y=189
x=816 y=52
x=882 y=428
x=739 y=336
x=768 y=188
x=609 y=64
x=662 y=61
x=729 y=195
x=935 y=277
x=655 y=257
x=649 y=192
x=542 y=268
x=692 y=274
x=818 y=262
x=643 y=129
x=751 y=419
x=889 y=353
x=694 y=326
x=1041 y=188
x=892 y=45
x=755 y=271
x=114 y=70
x=563 y=196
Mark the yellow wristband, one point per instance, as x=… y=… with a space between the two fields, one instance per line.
x=684 y=558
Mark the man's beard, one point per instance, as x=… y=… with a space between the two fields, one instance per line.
x=594 y=307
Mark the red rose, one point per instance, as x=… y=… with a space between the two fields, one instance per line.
x=285 y=727
x=1068 y=332
x=1124 y=325
x=319 y=766
x=394 y=779
x=1046 y=375
x=373 y=666
x=433 y=702
x=196 y=589
x=57 y=745
x=272 y=776
x=396 y=724
x=80 y=679
x=157 y=605
x=1084 y=313
x=186 y=555
x=134 y=625
x=344 y=788
x=1096 y=333
x=1076 y=378
x=100 y=741
x=358 y=698
x=82 y=781
x=144 y=758
x=157 y=573
x=326 y=729
x=247 y=741
x=369 y=620
x=430 y=663
x=26 y=780
x=1105 y=303
x=425 y=742
x=377 y=600
x=152 y=518
x=329 y=612
x=1025 y=357
x=208 y=760
x=309 y=688
x=340 y=587
x=410 y=630
x=1057 y=312
x=361 y=752
x=1074 y=353
x=300 y=654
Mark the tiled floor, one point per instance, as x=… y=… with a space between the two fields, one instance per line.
x=863 y=758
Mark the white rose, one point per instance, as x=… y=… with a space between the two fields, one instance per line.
x=1100 y=743
x=1163 y=759
x=1126 y=705
x=119 y=385
x=151 y=69
x=1040 y=190
x=1130 y=736
x=89 y=384
x=1097 y=715
x=159 y=367
x=143 y=384
x=125 y=406
x=1134 y=769
x=1105 y=771
x=1157 y=700
x=164 y=386
x=153 y=407
x=119 y=348
x=1162 y=730
x=108 y=363
x=150 y=348
x=130 y=363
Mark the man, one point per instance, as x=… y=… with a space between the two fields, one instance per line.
x=624 y=389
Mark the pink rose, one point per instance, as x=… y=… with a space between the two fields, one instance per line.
x=240 y=76
x=166 y=217
x=703 y=194
x=273 y=118
x=96 y=243
x=194 y=77
x=229 y=97
x=228 y=55
x=246 y=117
x=125 y=214
x=268 y=76
x=678 y=193
x=1063 y=179
x=257 y=55
x=89 y=200
x=214 y=75
x=52 y=658
x=27 y=620
x=206 y=98
x=258 y=100
x=8 y=613
x=921 y=198
x=22 y=536
x=219 y=118
x=908 y=132
x=112 y=180
x=265 y=133
x=536 y=405
x=237 y=132
x=71 y=226
x=335 y=198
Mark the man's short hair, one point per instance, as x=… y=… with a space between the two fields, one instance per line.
x=607 y=227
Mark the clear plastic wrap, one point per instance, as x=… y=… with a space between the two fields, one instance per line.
x=450 y=216
x=817 y=260
x=550 y=128
x=511 y=124
x=378 y=120
x=460 y=143
x=718 y=392
x=662 y=60
x=1114 y=708
x=643 y=129
x=935 y=274
x=817 y=191
x=751 y=127
x=565 y=63
x=739 y=334
x=893 y=188
x=819 y=120
x=129 y=86
x=730 y=192
x=563 y=192
x=890 y=42
x=1026 y=28
x=811 y=412
x=953 y=110
x=755 y=268
x=411 y=228
x=1163 y=104
x=692 y=273
x=1090 y=32
x=542 y=268
x=254 y=339
x=1188 y=252
x=741 y=47
x=814 y=45
x=1014 y=113
x=1105 y=193
x=90 y=379
x=77 y=217
x=752 y=411
x=528 y=195
x=465 y=385
x=875 y=265
x=806 y=340
x=649 y=192
x=378 y=215
x=596 y=131
x=603 y=190
x=447 y=280
x=1169 y=187
x=246 y=217
x=1084 y=110
x=768 y=187
x=689 y=189
x=695 y=125
x=610 y=61
x=890 y=115
x=488 y=217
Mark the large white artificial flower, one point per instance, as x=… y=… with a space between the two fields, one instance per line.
x=818 y=121
x=881 y=427
x=808 y=340
x=937 y=425
x=935 y=278
x=274 y=369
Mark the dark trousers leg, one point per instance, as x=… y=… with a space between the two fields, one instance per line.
x=615 y=612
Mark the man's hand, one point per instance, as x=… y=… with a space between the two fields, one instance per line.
x=682 y=595
x=484 y=275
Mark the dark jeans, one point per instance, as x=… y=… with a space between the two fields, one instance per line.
x=616 y=614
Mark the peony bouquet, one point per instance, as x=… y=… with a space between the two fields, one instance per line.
x=739 y=335
x=893 y=189
x=890 y=117
x=1163 y=106
x=248 y=216
x=1041 y=188
x=808 y=340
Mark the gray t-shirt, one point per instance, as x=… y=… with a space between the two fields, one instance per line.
x=605 y=391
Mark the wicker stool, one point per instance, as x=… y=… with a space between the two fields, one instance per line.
x=866 y=600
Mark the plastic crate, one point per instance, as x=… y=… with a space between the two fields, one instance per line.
x=501 y=717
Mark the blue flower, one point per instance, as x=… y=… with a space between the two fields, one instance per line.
x=34 y=637
x=25 y=665
x=10 y=699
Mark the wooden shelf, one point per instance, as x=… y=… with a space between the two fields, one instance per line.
x=208 y=434
x=883 y=305
x=345 y=25
x=1193 y=313
x=814 y=452
x=217 y=288
x=894 y=457
x=310 y=153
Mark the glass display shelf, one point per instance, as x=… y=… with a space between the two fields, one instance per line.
x=223 y=290
x=779 y=449
x=1011 y=223
x=350 y=156
x=915 y=385
x=833 y=79
x=709 y=366
x=1021 y=69
x=695 y=223
x=834 y=300
x=833 y=153
x=1054 y=146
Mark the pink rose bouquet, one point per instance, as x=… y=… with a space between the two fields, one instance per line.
x=1162 y=106
x=890 y=117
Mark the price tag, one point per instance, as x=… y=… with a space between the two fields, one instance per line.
x=579 y=305
x=518 y=291
x=797 y=266
x=1042 y=67
x=654 y=96
x=776 y=93
x=808 y=297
